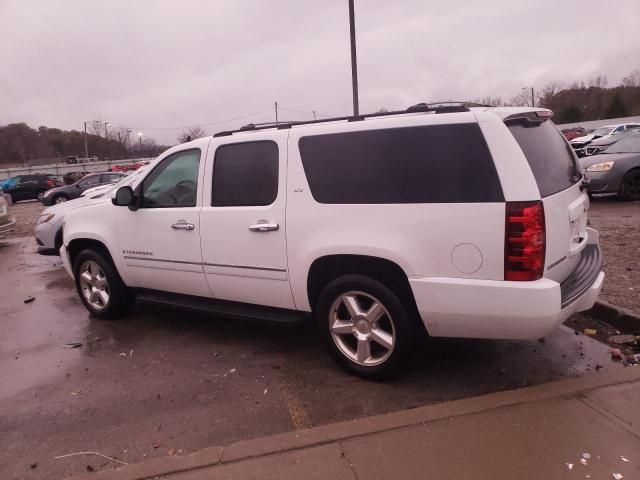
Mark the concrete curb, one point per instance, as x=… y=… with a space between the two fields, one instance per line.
x=356 y=428
x=620 y=318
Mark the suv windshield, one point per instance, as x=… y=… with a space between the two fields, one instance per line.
x=548 y=153
x=626 y=145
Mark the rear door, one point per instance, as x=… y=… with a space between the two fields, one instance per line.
x=559 y=180
x=242 y=222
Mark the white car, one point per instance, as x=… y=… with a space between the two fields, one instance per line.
x=464 y=222
x=579 y=144
x=48 y=230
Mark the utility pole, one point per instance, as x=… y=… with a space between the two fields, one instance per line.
x=314 y=115
x=533 y=102
x=276 y=104
x=354 y=64
x=86 y=148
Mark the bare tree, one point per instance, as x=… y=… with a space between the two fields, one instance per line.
x=522 y=99
x=491 y=101
x=599 y=81
x=631 y=80
x=100 y=128
x=548 y=92
x=191 y=134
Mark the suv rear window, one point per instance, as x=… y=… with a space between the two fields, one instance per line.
x=430 y=164
x=548 y=153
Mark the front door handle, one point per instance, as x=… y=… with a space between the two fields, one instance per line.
x=182 y=225
x=264 y=227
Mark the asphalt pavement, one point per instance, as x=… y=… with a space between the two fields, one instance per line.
x=168 y=381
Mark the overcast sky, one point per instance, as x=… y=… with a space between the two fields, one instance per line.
x=153 y=65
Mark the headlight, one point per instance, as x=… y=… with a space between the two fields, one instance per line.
x=45 y=218
x=600 y=167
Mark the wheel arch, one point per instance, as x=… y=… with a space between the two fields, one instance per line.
x=329 y=267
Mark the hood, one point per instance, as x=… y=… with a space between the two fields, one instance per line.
x=604 y=141
x=606 y=157
x=584 y=138
x=72 y=204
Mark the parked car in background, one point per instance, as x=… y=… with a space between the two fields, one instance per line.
x=30 y=187
x=616 y=170
x=571 y=133
x=48 y=231
x=73 y=159
x=579 y=143
x=601 y=144
x=7 y=222
x=457 y=221
x=69 y=192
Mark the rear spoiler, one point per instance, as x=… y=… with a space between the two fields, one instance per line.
x=530 y=119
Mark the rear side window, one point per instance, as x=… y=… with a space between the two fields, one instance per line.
x=429 y=164
x=245 y=174
x=549 y=155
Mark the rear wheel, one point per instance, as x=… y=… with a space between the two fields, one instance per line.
x=60 y=199
x=100 y=287
x=40 y=194
x=365 y=326
x=630 y=189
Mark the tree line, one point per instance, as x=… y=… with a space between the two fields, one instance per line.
x=581 y=101
x=21 y=144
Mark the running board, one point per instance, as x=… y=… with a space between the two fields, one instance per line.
x=223 y=308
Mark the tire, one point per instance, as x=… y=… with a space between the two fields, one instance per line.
x=630 y=188
x=390 y=331
x=60 y=199
x=40 y=194
x=105 y=278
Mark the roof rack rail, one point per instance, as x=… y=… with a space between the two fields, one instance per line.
x=438 y=107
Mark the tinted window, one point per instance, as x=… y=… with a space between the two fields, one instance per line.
x=174 y=182
x=245 y=174
x=549 y=155
x=433 y=164
x=111 y=178
x=89 y=181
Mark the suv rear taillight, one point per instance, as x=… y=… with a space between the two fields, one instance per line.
x=51 y=183
x=524 y=245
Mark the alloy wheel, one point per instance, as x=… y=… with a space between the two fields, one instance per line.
x=362 y=328
x=94 y=285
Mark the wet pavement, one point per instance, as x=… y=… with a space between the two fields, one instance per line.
x=168 y=381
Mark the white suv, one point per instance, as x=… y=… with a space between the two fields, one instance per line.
x=466 y=222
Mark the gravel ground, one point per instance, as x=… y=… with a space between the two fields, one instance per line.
x=617 y=222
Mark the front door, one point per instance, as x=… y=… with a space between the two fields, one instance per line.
x=160 y=242
x=242 y=221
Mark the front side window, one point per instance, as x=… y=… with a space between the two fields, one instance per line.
x=111 y=178
x=619 y=129
x=174 y=182
x=90 y=182
x=245 y=174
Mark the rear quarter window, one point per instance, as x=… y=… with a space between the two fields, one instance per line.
x=549 y=155
x=426 y=164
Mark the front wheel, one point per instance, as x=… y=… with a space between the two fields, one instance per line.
x=100 y=287
x=60 y=199
x=366 y=327
x=40 y=194
x=630 y=189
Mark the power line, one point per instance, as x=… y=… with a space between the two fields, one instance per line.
x=218 y=122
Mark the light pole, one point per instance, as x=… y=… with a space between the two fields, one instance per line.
x=106 y=131
x=86 y=147
x=533 y=101
x=354 y=63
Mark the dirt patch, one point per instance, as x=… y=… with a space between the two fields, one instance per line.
x=619 y=227
x=26 y=215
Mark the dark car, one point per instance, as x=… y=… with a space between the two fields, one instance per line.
x=69 y=192
x=29 y=187
x=616 y=170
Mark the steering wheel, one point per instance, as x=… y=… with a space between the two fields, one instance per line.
x=184 y=188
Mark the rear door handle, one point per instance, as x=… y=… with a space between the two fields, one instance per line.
x=264 y=227
x=182 y=225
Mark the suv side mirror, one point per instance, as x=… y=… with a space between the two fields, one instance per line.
x=124 y=198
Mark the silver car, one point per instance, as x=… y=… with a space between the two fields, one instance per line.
x=616 y=170
x=7 y=222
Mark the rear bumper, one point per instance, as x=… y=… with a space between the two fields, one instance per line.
x=456 y=307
